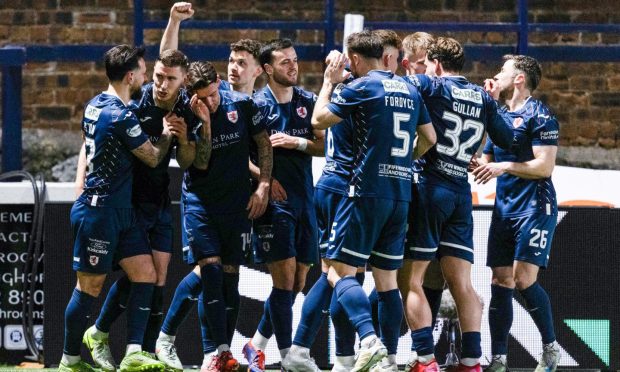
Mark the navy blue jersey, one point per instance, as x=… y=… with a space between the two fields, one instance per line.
x=292 y=168
x=534 y=125
x=151 y=184
x=339 y=154
x=224 y=187
x=461 y=112
x=111 y=130
x=385 y=112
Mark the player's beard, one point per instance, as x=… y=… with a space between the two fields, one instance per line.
x=284 y=80
x=136 y=94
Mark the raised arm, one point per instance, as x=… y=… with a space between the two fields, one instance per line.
x=322 y=117
x=179 y=12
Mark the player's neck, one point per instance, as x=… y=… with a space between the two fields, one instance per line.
x=517 y=99
x=282 y=93
x=121 y=91
x=247 y=88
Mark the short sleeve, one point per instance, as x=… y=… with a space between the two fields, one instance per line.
x=346 y=98
x=127 y=127
x=545 y=130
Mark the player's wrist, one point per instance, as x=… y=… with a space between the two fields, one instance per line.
x=302 y=144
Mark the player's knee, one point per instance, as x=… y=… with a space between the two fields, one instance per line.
x=522 y=282
x=146 y=274
x=507 y=282
x=231 y=269
x=209 y=261
x=300 y=283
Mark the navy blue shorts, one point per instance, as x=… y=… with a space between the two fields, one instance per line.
x=104 y=236
x=325 y=203
x=284 y=232
x=156 y=220
x=440 y=224
x=369 y=230
x=218 y=235
x=525 y=238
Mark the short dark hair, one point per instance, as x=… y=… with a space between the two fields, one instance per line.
x=248 y=45
x=366 y=43
x=174 y=58
x=266 y=51
x=389 y=38
x=416 y=42
x=121 y=59
x=449 y=52
x=529 y=66
x=200 y=75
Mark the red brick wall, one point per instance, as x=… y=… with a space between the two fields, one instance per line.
x=585 y=96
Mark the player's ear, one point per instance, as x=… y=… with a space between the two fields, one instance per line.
x=519 y=78
x=268 y=69
x=405 y=63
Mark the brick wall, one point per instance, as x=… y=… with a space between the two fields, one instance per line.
x=585 y=96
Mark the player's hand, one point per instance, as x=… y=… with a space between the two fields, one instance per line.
x=473 y=164
x=166 y=130
x=334 y=72
x=177 y=127
x=200 y=109
x=331 y=56
x=181 y=11
x=258 y=201
x=486 y=172
x=284 y=140
x=491 y=86
x=277 y=192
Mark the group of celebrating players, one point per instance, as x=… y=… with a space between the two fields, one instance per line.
x=393 y=195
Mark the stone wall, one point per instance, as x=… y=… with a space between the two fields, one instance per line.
x=585 y=96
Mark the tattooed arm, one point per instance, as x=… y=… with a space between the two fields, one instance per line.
x=260 y=197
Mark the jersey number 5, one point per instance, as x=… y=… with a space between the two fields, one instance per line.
x=402 y=151
x=460 y=149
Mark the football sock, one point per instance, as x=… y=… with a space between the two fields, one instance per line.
x=282 y=316
x=355 y=302
x=208 y=345
x=433 y=296
x=185 y=296
x=213 y=300
x=470 y=348
x=138 y=310
x=539 y=307
x=390 y=310
x=500 y=318
x=422 y=341
x=313 y=311
x=115 y=303
x=232 y=300
x=155 y=318
x=76 y=321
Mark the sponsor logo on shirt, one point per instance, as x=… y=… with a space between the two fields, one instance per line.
x=232 y=116
x=395 y=86
x=302 y=112
x=92 y=113
x=134 y=131
x=467 y=95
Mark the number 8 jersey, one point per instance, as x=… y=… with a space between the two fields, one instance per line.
x=385 y=112
x=461 y=112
